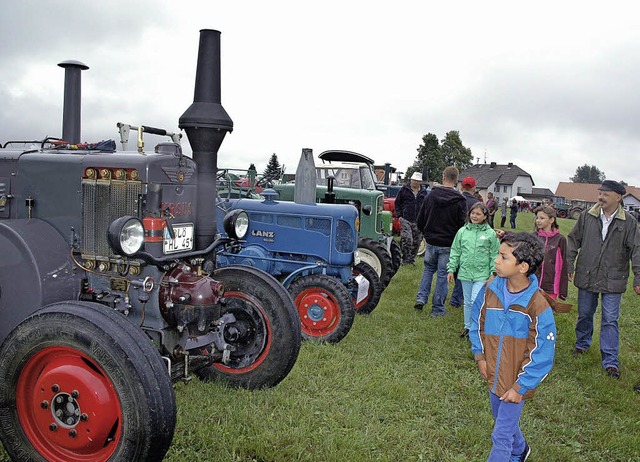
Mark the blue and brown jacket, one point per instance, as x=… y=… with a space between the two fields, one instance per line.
x=518 y=342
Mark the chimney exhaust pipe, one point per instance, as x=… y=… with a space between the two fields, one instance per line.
x=206 y=124
x=71 y=111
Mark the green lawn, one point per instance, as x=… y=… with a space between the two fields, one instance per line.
x=404 y=387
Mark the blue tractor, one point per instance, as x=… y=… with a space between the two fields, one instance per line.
x=312 y=250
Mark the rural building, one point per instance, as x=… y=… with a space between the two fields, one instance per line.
x=503 y=180
x=587 y=193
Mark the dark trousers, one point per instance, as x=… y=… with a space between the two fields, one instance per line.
x=502 y=221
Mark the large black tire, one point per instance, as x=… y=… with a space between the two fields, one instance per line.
x=266 y=334
x=325 y=307
x=375 y=254
x=80 y=382
x=562 y=214
x=396 y=255
x=374 y=293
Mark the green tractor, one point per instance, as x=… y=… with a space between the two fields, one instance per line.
x=346 y=177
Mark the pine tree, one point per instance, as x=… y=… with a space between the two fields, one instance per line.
x=273 y=170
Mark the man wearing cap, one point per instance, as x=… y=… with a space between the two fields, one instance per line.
x=607 y=238
x=468 y=187
x=407 y=205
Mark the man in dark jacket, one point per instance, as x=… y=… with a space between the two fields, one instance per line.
x=607 y=238
x=442 y=214
x=407 y=205
x=468 y=188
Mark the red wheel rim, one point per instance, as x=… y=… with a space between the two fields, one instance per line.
x=264 y=351
x=319 y=312
x=68 y=406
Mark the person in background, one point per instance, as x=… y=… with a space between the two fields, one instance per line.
x=442 y=214
x=513 y=339
x=503 y=212
x=492 y=206
x=600 y=246
x=468 y=188
x=472 y=256
x=552 y=274
x=407 y=205
x=513 y=213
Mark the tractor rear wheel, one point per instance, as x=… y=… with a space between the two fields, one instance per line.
x=562 y=214
x=376 y=255
x=575 y=213
x=81 y=382
x=325 y=307
x=374 y=293
x=265 y=334
x=396 y=255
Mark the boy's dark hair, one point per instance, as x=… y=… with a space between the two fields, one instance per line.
x=526 y=248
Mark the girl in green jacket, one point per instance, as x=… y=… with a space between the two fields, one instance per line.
x=472 y=256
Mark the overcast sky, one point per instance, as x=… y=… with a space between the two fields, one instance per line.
x=547 y=85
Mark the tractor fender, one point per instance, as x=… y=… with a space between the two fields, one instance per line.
x=35 y=270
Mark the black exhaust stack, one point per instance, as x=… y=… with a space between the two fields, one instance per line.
x=72 y=100
x=206 y=124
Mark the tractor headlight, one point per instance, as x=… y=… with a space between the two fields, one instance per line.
x=236 y=224
x=126 y=235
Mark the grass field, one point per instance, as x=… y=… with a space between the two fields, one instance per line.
x=403 y=386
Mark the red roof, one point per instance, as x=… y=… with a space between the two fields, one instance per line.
x=587 y=192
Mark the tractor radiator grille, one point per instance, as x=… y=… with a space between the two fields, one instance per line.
x=345 y=242
x=319 y=225
x=102 y=202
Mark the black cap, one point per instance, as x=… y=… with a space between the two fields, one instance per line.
x=610 y=185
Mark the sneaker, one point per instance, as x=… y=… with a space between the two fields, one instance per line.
x=521 y=457
x=578 y=351
x=613 y=372
x=439 y=314
x=418 y=305
x=636 y=388
x=465 y=333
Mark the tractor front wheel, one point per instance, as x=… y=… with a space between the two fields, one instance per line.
x=81 y=382
x=325 y=307
x=265 y=335
x=371 y=300
x=376 y=255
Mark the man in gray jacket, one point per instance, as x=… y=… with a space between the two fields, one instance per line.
x=607 y=238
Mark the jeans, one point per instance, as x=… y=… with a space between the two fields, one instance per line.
x=435 y=261
x=457 y=295
x=506 y=437
x=512 y=221
x=470 y=290
x=609 y=335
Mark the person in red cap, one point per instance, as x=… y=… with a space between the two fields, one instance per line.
x=599 y=248
x=468 y=187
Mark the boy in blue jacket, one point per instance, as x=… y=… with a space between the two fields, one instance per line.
x=513 y=338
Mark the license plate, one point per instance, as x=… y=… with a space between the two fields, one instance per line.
x=183 y=238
